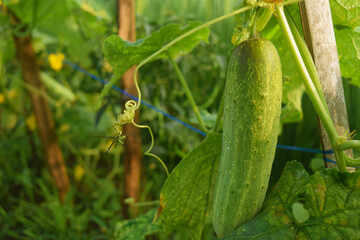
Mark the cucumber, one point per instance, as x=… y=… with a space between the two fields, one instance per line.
x=252 y=107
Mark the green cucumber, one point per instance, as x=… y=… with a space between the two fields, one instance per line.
x=252 y=105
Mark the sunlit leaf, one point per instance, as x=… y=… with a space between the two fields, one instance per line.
x=186 y=197
x=123 y=54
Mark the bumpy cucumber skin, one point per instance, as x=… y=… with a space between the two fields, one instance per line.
x=252 y=101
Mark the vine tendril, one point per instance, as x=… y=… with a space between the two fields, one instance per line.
x=128 y=117
x=148 y=152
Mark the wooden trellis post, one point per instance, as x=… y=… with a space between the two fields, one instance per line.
x=133 y=154
x=320 y=38
x=44 y=119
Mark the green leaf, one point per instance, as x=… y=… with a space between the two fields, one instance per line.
x=330 y=198
x=345 y=12
x=137 y=228
x=123 y=54
x=348 y=44
x=186 y=198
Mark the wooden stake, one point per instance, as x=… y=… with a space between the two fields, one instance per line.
x=44 y=119
x=320 y=38
x=133 y=151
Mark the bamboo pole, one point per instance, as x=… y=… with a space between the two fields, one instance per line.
x=320 y=38
x=133 y=153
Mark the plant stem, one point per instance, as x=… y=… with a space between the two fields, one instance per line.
x=311 y=89
x=187 y=92
x=212 y=98
x=219 y=116
x=263 y=19
x=306 y=55
x=352 y=162
x=351 y=144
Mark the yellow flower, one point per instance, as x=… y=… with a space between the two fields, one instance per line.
x=64 y=128
x=2 y=97
x=31 y=122
x=79 y=172
x=56 y=60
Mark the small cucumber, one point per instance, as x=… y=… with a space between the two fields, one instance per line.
x=252 y=104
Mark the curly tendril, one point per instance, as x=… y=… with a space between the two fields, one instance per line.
x=128 y=117
x=129 y=113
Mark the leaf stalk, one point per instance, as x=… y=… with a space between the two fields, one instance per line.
x=187 y=92
x=311 y=90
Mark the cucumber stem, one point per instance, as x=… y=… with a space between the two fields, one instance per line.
x=352 y=162
x=311 y=89
x=187 y=92
x=213 y=95
x=306 y=55
x=351 y=144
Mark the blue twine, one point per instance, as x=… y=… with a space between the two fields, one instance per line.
x=293 y=148
x=329 y=160
x=303 y=149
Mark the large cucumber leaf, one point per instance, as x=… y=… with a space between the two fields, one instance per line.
x=186 y=198
x=329 y=201
x=123 y=54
